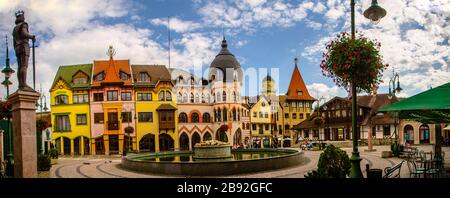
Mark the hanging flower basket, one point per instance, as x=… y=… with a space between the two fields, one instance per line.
x=357 y=61
x=5 y=109
x=129 y=130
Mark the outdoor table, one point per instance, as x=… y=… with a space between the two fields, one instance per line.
x=431 y=167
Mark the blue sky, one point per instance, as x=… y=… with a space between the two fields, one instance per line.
x=261 y=34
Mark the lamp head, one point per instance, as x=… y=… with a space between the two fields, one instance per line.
x=399 y=89
x=375 y=12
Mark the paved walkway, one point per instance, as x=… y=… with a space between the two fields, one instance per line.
x=110 y=168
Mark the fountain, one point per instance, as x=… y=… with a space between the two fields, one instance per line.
x=213 y=158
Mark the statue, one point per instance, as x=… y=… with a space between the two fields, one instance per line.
x=22 y=49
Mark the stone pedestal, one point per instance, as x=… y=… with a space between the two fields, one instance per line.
x=24 y=127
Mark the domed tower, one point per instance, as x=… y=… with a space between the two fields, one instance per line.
x=225 y=67
x=268 y=86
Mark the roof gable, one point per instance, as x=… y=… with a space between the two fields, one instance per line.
x=296 y=85
x=66 y=73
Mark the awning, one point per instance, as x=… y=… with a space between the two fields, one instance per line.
x=431 y=106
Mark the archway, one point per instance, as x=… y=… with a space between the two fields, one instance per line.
x=237 y=139
x=147 y=143
x=207 y=136
x=166 y=143
x=86 y=146
x=184 y=142
x=99 y=146
x=408 y=134
x=221 y=135
x=424 y=133
x=58 y=145
x=195 y=139
x=77 y=146
x=66 y=143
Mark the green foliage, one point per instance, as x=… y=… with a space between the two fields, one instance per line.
x=356 y=61
x=396 y=148
x=44 y=162
x=53 y=153
x=333 y=163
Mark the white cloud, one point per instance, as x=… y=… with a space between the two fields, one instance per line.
x=177 y=24
x=319 y=90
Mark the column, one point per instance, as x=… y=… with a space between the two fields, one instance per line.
x=157 y=143
x=61 y=140
x=106 y=143
x=72 y=150
x=82 y=146
x=93 y=149
x=121 y=140
x=24 y=127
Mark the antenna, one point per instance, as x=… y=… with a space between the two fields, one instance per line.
x=7 y=51
x=168 y=34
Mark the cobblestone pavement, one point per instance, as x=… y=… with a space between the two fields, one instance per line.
x=95 y=167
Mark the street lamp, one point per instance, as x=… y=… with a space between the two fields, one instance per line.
x=395 y=82
x=42 y=105
x=374 y=13
x=7 y=71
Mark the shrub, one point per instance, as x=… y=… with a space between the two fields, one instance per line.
x=44 y=162
x=53 y=153
x=396 y=148
x=333 y=163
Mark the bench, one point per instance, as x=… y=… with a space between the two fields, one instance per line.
x=393 y=172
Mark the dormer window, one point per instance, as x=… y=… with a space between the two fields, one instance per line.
x=100 y=77
x=79 y=81
x=123 y=76
x=180 y=79
x=300 y=93
x=143 y=77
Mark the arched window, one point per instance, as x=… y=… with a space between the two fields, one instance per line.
x=218 y=97
x=203 y=98
x=180 y=79
x=179 y=98
x=196 y=98
x=61 y=99
x=80 y=80
x=207 y=98
x=161 y=96
x=192 y=98
x=219 y=115
x=185 y=100
x=234 y=97
x=206 y=118
x=168 y=96
x=224 y=96
x=225 y=115
x=195 y=118
x=192 y=81
x=234 y=115
x=182 y=118
x=213 y=98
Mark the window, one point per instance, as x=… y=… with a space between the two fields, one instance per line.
x=203 y=98
x=61 y=99
x=143 y=77
x=161 y=96
x=100 y=77
x=126 y=117
x=62 y=123
x=263 y=104
x=286 y=127
x=260 y=114
x=144 y=96
x=286 y=115
x=224 y=96
x=123 y=76
x=185 y=98
x=253 y=126
x=195 y=118
x=126 y=96
x=81 y=119
x=386 y=130
x=307 y=104
x=300 y=104
x=286 y=104
x=301 y=115
x=79 y=81
x=225 y=115
x=98 y=97
x=266 y=115
x=197 y=98
x=294 y=104
x=145 y=117
x=300 y=93
x=254 y=114
x=218 y=97
x=182 y=118
x=81 y=98
x=168 y=96
x=192 y=98
x=112 y=96
x=179 y=98
x=294 y=116
x=206 y=118
x=180 y=79
x=234 y=97
x=99 y=118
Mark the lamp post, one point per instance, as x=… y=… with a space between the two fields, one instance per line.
x=318 y=114
x=395 y=82
x=42 y=105
x=7 y=71
x=374 y=13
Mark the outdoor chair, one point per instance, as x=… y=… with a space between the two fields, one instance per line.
x=414 y=171
x=393 y=172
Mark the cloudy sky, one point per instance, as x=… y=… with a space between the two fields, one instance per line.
x=261 y=33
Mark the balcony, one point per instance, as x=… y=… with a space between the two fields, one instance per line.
x=166 y=125
x=113 y=126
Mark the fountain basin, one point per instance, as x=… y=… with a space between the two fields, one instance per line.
x=185 y=164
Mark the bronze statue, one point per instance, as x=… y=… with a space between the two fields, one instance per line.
x=22 y=49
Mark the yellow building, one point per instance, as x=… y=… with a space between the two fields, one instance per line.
x=157 y=125
x=70 y=109
x=297 y=103
x=266 y=117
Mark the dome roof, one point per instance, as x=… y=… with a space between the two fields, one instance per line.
x=267 y=78
x=225 y=59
